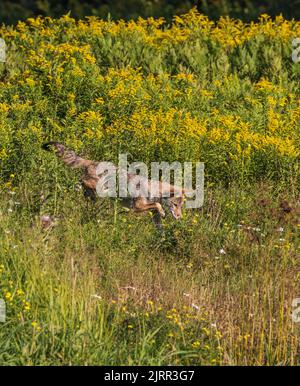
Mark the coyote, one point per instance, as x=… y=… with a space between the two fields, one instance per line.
x=172 y=195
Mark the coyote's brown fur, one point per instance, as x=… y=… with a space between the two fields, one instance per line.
x=138 y=204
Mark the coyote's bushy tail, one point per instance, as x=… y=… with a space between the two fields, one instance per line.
x=69 y=157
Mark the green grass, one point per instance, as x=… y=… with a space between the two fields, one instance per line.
x=105 y=287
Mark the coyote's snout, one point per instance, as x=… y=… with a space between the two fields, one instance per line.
x=172 y=195
x=175 y=206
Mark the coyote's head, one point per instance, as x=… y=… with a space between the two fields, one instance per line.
x=175 y=206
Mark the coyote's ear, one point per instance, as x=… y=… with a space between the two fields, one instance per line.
x=186 y=192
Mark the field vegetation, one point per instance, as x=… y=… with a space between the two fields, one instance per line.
x=88 y=283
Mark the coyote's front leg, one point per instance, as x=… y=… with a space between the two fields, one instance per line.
x=156 y=218
x=141 y=204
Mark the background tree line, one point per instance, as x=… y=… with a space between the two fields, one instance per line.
x=13 y=10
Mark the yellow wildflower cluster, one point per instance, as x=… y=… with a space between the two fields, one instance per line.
x=194 y=90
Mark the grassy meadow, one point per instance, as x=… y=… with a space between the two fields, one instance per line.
x=101 y=286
